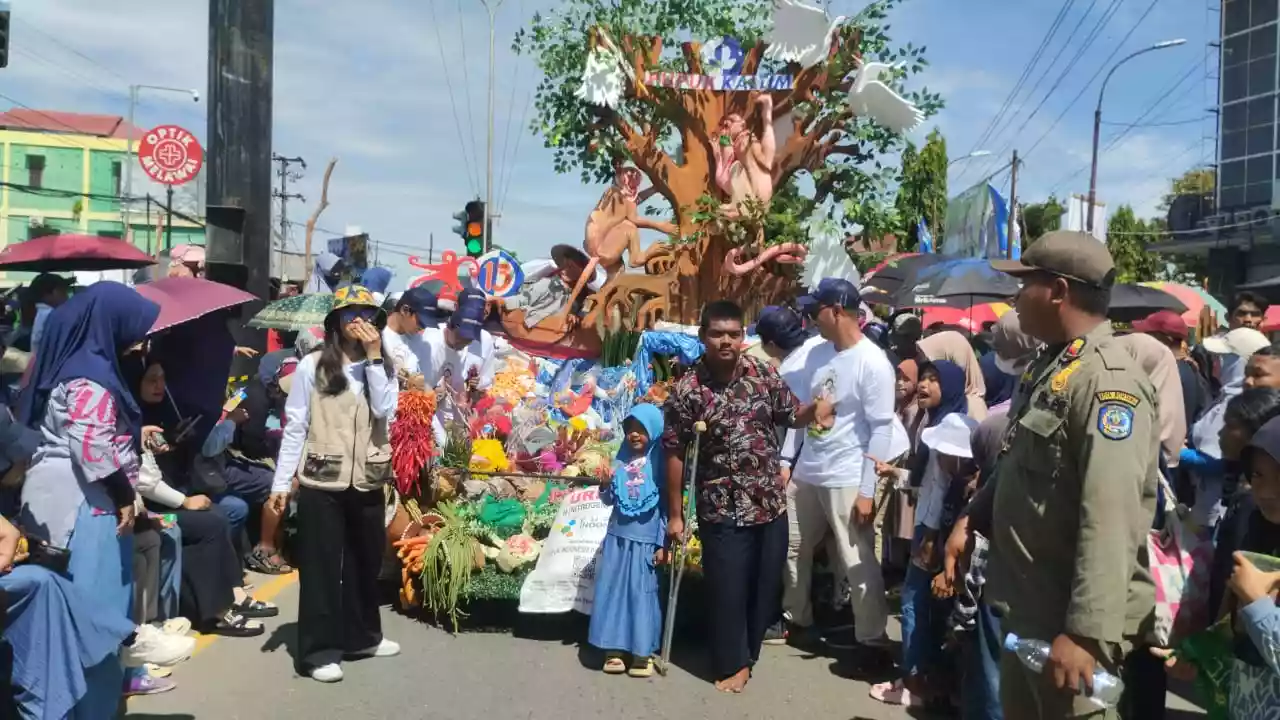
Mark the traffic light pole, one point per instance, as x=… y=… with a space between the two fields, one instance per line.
x=492 y=7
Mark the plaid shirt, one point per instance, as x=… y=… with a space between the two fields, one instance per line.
x=737 y=475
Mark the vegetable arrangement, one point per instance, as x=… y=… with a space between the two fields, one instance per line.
x=412 y=441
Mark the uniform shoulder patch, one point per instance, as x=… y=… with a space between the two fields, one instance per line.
x=1059 y=381
x=1115 y=421
x=1118 y=396
x=1075 y=348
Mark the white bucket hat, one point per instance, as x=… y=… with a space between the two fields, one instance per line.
x=952 y=436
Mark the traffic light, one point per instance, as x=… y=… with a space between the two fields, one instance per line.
x=471 y=227
x=4 y=35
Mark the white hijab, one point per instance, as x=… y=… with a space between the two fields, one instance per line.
x=1204 y=434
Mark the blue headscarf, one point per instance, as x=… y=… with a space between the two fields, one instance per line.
x=377 y=279
x=951 y=383
x=1000 y=384
x=636 y=491
x=83 y=338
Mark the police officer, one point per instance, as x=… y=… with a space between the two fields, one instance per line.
x=1074 y=489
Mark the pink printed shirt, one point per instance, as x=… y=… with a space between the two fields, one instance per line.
x=83 y=440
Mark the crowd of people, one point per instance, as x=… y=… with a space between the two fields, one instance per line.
x=1000 y=485
x=1003 y=485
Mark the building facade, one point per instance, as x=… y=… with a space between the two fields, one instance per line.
x=1239 y=227
x=64 y=173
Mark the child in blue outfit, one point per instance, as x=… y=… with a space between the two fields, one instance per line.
x=626 y=618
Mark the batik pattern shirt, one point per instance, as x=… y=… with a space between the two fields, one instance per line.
x=737 y=480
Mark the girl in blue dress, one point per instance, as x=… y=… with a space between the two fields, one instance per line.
x=626 y=618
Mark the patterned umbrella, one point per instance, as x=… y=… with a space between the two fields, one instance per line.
x=187 y=298
x=971 y=319
x=1193 y=298
x=294 y=313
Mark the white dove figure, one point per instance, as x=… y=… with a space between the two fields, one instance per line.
x=604 y=78
x=801 y=33
x=872 y=98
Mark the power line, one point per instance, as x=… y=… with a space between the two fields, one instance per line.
x=1026 y=73
x=466 y=85
x=1170 y=123
x=453 y=106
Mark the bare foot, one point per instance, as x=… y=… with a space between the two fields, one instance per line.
x=735 y=683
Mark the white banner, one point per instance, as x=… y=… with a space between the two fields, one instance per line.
x=564 y=578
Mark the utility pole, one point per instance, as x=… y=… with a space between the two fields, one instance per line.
x=284 y=197
x=1013 y=206
x=492 y=6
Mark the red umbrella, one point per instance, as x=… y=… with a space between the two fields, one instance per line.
x=182 y=299
x=66 y=253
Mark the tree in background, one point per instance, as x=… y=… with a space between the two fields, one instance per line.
x=1197 y=181
x=1200 y=182
x=1040 y=218
x=922 y=191
x=1127 y=237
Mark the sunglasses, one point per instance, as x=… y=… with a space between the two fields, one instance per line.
x=366 y=314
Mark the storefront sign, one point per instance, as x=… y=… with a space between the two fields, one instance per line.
x=722 y=62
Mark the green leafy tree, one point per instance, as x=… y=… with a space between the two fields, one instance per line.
x=1191 y=269
x=1127 y=237
x=922 y=191
x=1040 y=218
x=667 y=133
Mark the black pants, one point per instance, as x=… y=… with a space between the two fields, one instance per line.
x=1145 y=685
x=743 y=570
x=210 y=565
x=341 y=540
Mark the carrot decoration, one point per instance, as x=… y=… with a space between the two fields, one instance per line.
x=412 y=439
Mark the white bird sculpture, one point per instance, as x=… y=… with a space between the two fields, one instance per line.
x=801 y=33
x=604 y=78
x=872 y=98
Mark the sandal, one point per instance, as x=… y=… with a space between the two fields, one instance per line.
x=895 y=693
x=267 y=563
x=613 y=664
x=234 y=625
x=255 y=609
x=641 y=668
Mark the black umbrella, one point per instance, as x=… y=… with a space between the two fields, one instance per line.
x=955 y=283
x=1131 y=302
x=888 y=277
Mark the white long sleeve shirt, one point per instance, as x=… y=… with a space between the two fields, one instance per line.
x=859 y=382
x=384 y=393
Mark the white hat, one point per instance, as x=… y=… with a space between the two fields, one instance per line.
x=1241 y=341
x=951 y=436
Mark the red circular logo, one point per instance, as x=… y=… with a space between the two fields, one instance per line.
x=170 y=155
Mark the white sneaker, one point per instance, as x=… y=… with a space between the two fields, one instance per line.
x=386 y=648
x=152 y=646
x=326 y=673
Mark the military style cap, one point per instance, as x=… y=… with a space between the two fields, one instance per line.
x=1070 y=254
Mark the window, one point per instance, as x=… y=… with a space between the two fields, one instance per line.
x=1235 y=16
x=1262 y=76
x=116 y=175
x=1235 y=83
x=1233 y=185
x=35 y=171
x=1262 y=11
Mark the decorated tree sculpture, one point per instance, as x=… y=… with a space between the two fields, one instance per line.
x=716 y=103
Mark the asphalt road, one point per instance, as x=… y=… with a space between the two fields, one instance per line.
x=494 y=676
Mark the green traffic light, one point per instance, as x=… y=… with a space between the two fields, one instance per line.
x=475 y=247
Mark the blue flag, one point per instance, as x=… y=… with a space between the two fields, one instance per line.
x=926 y=240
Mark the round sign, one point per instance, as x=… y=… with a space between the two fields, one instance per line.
x=499 y=274
x=170 y=155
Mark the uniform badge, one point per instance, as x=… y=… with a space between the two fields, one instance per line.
x=1059 y=381
x=1074 y=349
x=1115 y=421
x=1118 y=396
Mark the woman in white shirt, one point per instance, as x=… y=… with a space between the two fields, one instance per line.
x=336 y=442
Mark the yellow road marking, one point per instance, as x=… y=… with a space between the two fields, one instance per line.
x=265 y=593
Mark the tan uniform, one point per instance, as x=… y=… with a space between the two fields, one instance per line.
x=1074 y=497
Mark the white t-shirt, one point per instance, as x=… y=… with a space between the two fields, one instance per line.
x=403 y=350
x=442 y=364
x=860 y=384
x=797 y=371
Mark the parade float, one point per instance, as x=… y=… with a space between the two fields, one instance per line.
x=692 y=138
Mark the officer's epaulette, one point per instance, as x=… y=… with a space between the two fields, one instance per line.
x=1073 y=350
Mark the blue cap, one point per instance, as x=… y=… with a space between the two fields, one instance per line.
x=782 y=327
x=830 y=291
x=468 y=319
x=423 y=304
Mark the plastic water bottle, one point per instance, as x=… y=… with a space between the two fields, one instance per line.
x=1107 y=688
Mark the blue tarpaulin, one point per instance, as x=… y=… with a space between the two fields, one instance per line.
x=684 y=347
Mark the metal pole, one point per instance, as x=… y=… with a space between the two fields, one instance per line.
x=488 y=183
x=284 y=211
x=150 y=249
x=168 y=224
x=1013 y=207
x=130 y=159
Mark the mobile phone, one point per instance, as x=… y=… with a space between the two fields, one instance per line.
x=234 y=401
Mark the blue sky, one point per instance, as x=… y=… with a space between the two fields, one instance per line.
x=364 y=82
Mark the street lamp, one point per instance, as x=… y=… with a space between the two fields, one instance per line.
x=974 y=154
x=1097 y=122
x=491 y=6
x=132 y=144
